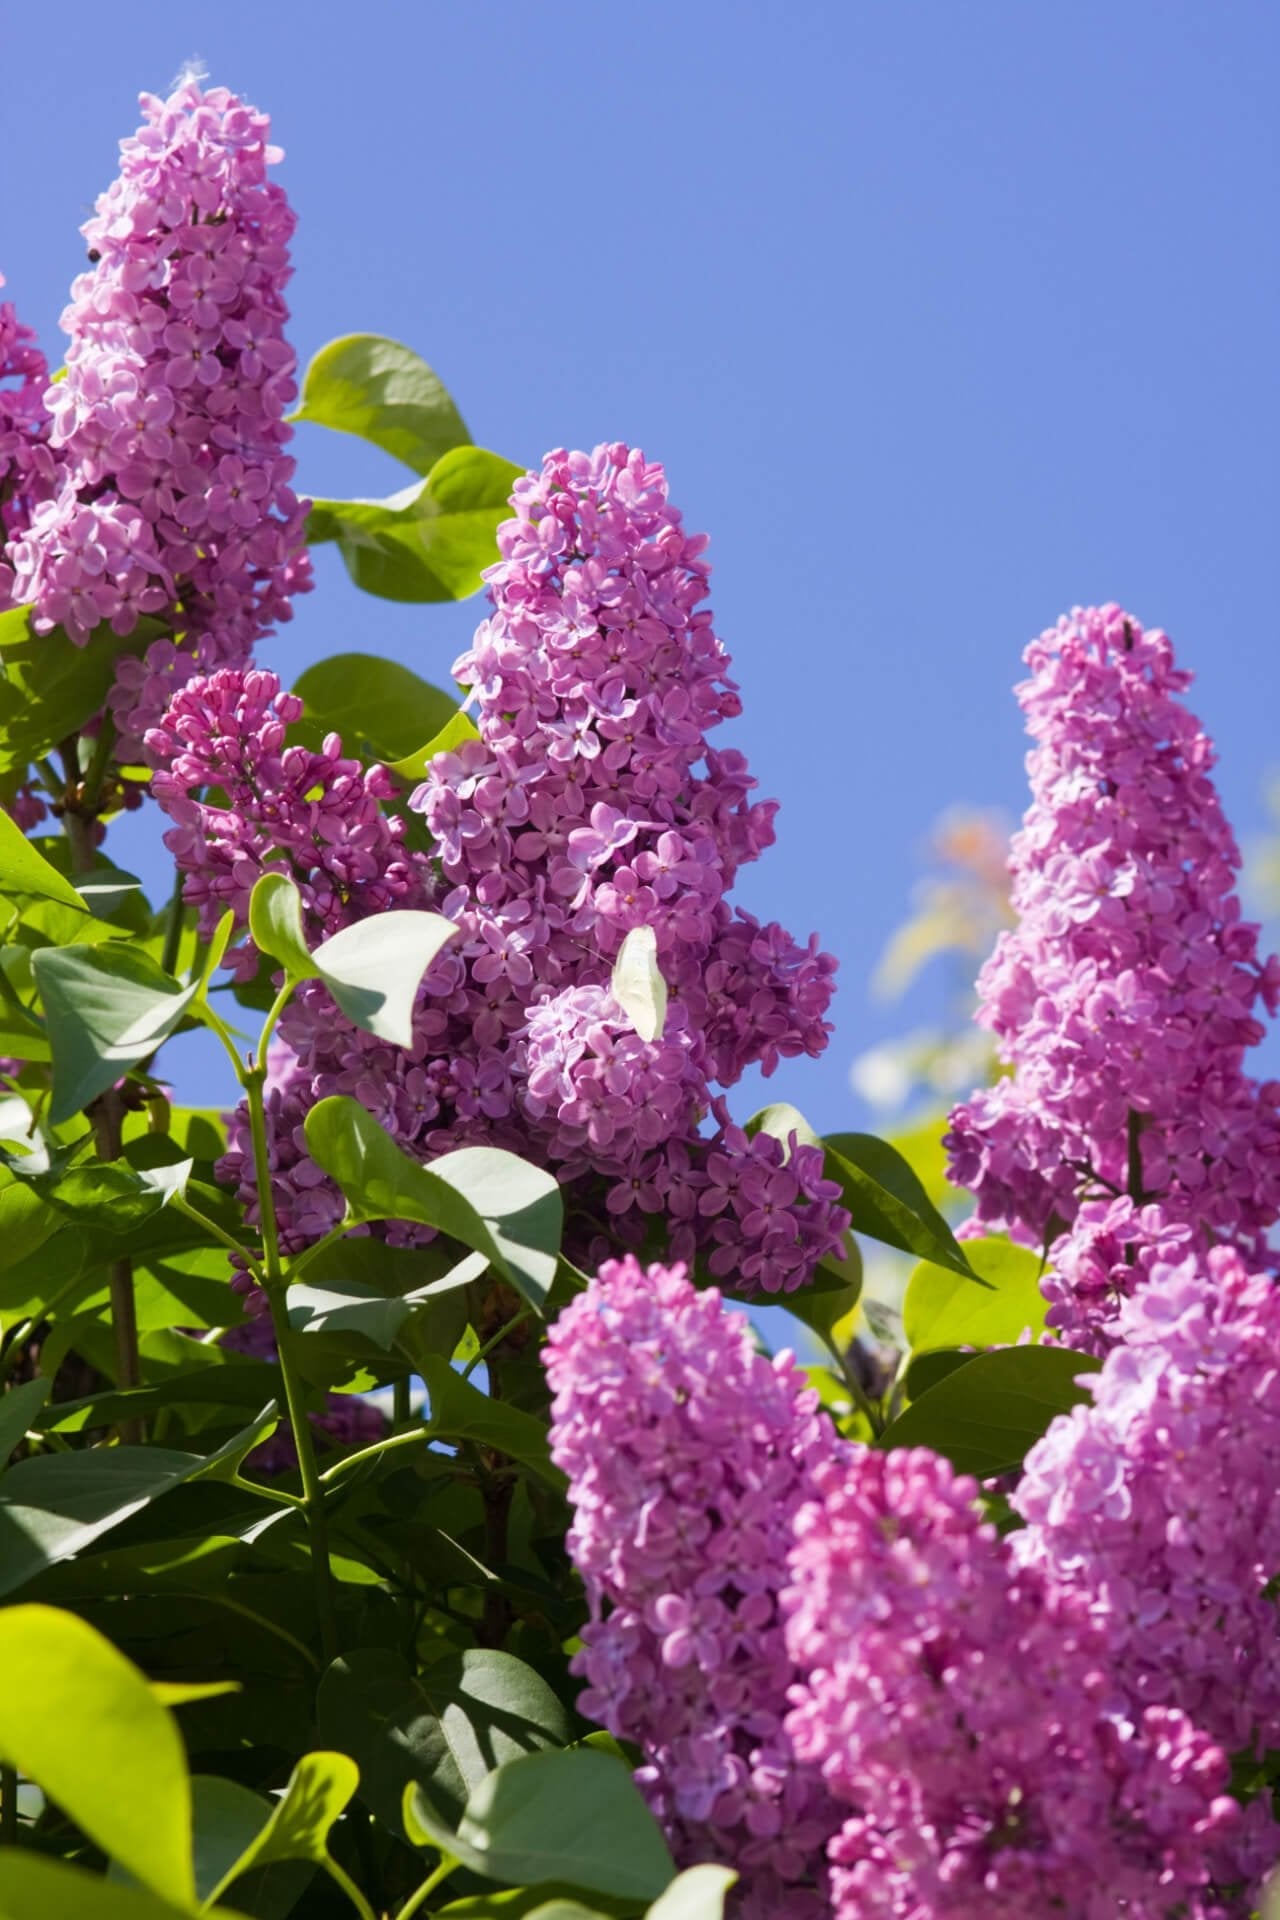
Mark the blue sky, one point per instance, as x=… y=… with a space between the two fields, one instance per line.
x=943 y=318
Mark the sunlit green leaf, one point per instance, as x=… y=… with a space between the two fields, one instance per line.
x=430 y=541
x=79 y=1719
x=368 y=385
x=941 y=1309
x=106 y=1009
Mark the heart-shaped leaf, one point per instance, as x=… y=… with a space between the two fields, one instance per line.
x=432 y=540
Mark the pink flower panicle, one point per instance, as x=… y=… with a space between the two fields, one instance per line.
x=1159 y=1502
x=174 y=494
x=688 y=1454
x=965 y=1712
x=1125 y=998
x=27 y=466
x=589 y=804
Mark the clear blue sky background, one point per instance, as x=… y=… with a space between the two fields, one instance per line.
x=943 y=318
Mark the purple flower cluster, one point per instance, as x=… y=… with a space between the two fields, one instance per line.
x=27 y=467
x=173 y=491
x=965 y=1711
x=590 y=804
x=1125 y=998
x=688 y=1454
x=1159 y=1503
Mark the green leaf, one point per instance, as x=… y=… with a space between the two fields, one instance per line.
x=382 y=391
x=574 y=1816
x=106 y=1009
x=32 y=1888
x=697 y=1894
x=24 y=869
x=823 y=1304
x=78 y=1719
x=54 y=1506
x=780 y=1121
x=318 y=1793
x=27 y=1221
x=458 y=729
x=940 y=1309
x=49 y=687
x=442 y=1731
x=374 y=967
x=19 y=1410
x=108 y=890
x=379 y=707
x=888 y=1202
x=637 y=983
x=275 y=924
x=985 y=1416
x=227 y=1819
x=430 y=541
x=520 y=1204
x=487 y=1198
x=459 y=1411
x=113 y=1195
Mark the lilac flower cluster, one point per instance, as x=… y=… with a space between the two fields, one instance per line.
x=1125 y=998
x=964 y=1710
x=1159 y=1503
x=173 y=491
x=589 y=804
x=27 y=467
x=688 y=1454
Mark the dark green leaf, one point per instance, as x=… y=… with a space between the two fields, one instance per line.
x=380 y=708
x=459 y=1411
x=987 y=1415
x=888 y=1202
x=49 y=687
x=382 y=391
x=443 y=1731
x=430 y=541
x=574 y=1816
x=106 y=1009
x=19 y=1410
x=54 y=1506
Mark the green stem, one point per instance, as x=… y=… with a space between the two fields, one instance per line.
x=345 y=1465
x=423 y=1893
x=301 y=1261
x=857 y=1392
x=181 y=1204
x=495 y=1340
x=349 y=1887
x=108 y=1117
x=95 y=773
x=173 y=926
x=274 y=1284
x=8 y=1806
